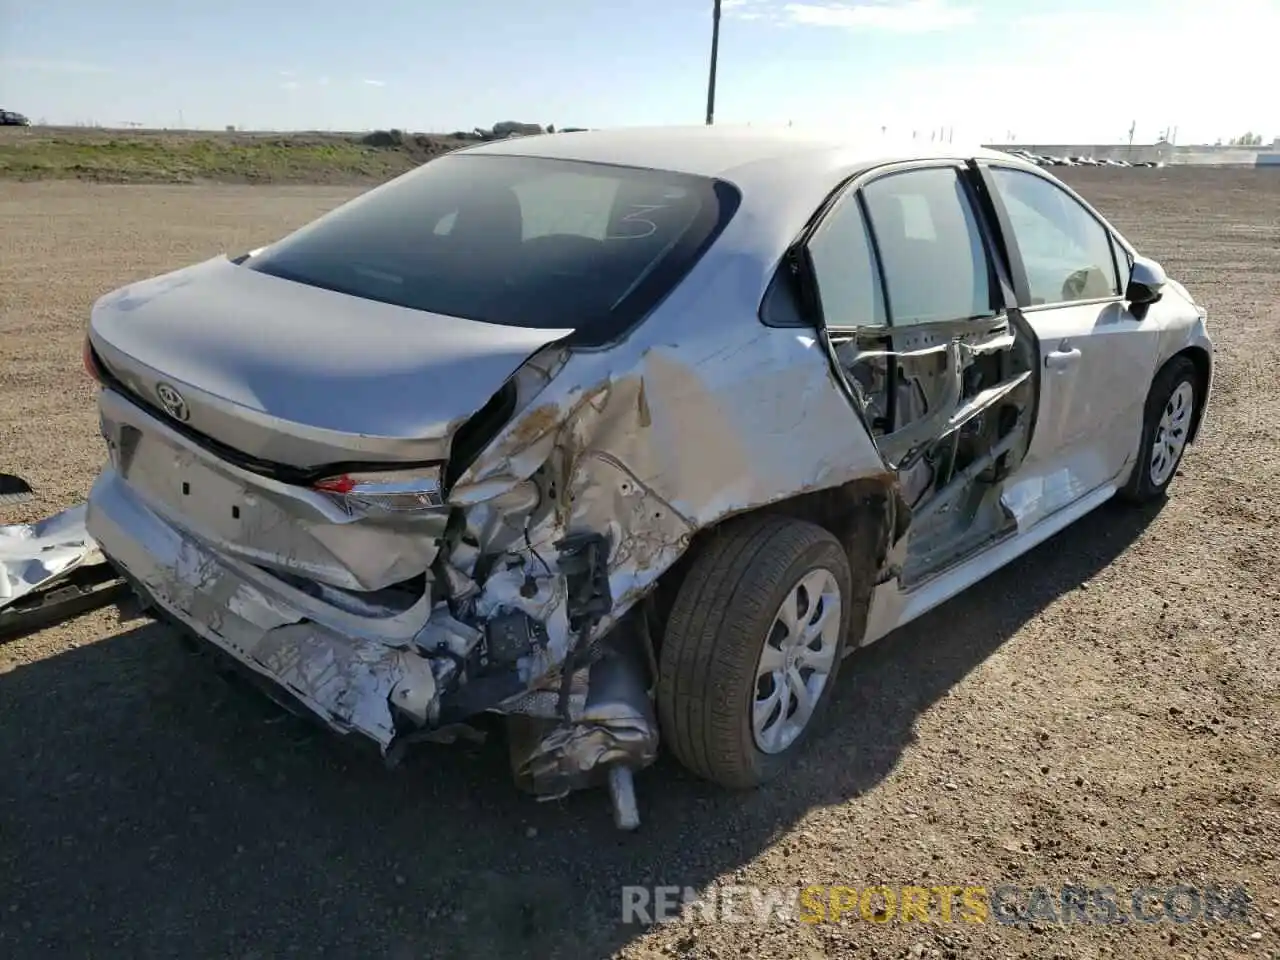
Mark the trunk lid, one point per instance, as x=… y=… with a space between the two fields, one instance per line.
x=297 y=375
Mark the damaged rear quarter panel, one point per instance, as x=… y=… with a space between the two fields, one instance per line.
x=700 y=414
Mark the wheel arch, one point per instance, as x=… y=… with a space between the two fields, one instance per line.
x=866 y=515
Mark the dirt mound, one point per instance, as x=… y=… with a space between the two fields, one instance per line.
x=419 y=146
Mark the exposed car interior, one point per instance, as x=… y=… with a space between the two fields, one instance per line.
x=946 y=384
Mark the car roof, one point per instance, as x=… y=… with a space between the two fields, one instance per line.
x=782 y=174
x=732 y=153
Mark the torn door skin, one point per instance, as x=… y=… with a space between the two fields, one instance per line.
x=951 y=405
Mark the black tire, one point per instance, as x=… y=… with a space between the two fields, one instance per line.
x=715 y=635
x=1141 y=488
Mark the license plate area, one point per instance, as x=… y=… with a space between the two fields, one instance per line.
x=214 y=506
x=271 y=525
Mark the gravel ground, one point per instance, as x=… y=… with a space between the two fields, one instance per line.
x=1104 y=711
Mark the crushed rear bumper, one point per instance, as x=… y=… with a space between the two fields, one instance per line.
x=352 y=684
x=381 y=690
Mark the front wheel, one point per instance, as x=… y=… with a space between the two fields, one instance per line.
x=1170 y=412
x=752 y=648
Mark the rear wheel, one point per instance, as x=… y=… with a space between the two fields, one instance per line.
x=752 y=648
x=1170 y=412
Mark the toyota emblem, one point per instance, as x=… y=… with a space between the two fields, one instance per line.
x=173 y=403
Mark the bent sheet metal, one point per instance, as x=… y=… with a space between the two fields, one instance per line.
x=50 y=569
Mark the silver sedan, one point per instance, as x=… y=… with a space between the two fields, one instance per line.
x=629 y=433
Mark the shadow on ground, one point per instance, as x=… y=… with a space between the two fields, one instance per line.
x=147 y=807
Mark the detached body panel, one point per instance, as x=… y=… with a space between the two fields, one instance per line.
x=50 y=570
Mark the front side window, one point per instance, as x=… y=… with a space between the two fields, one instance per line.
x=931 y=249
x=518 y=241
x=1065 y=250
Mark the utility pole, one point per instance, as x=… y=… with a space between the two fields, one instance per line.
x=715 y=51
x=1132 y=127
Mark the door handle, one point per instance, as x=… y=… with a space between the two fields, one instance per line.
x=1061 y=359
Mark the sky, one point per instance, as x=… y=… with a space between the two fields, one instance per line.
x=1031 y=71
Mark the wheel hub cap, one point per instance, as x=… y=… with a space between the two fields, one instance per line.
x=796 y=661
x=1171 y=433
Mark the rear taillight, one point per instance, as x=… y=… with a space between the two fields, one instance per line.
x=401 y=491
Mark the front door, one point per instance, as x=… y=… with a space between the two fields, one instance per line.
x=1096 y=357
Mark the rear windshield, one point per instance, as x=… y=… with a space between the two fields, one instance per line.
x=519 y=241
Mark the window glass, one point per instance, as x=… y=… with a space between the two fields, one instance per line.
x=573 y=203
x=1065 y=250
x=935 y=264
x=848 y=284
x=520 y=241
x=916 y=219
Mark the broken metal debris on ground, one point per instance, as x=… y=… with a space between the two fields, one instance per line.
x=50 y=569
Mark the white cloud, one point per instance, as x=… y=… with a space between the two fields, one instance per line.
x=912 y=16
x=56 y=66
x=899 y=16
x=752 y=10
x=1067 y=90
x=290 y=85
x=374 y=83
x=1065 y=78
x=323 y=82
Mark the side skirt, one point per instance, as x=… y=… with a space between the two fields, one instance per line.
x=892 y=607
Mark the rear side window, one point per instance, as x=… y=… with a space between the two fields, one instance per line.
x=518 y=241
x=844 y=269
x=931 y=250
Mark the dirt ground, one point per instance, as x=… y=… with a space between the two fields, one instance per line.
x=1104 y=712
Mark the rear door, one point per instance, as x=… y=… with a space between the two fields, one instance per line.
x=1096 y=357
x=923 y=326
